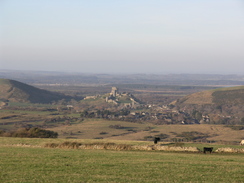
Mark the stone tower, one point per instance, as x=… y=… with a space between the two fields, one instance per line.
x=114 y=91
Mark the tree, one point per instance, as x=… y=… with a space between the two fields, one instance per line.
x=84 y=113
x=197 y=115
x=242 y=121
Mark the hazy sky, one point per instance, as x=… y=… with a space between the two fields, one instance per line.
x=123 y=36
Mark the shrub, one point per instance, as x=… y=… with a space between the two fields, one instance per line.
x=233 y=127
x=66 y=144
x=163 y=136
x=51 y=145
x=116 y=126
x=149 y=138
x=147 y=128
x=2 y=132
x=70 y=145
x=31 y=133
x=154 y=131
x=193 y=135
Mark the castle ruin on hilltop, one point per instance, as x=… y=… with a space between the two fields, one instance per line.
x=114 y=91
x=126 y=99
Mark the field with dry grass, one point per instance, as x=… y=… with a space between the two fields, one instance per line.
x=89 y=128
x=97 y=129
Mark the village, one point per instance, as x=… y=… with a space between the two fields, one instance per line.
x=128 y=108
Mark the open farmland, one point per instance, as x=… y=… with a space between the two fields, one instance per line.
x=35 y=163
x=98 y=119
x=72 y=126
x=101 y=129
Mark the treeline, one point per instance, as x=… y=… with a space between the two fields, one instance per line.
x=34 y=132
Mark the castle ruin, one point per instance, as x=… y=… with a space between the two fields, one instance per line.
x=114 y=91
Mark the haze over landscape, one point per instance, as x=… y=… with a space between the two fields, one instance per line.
x=121 y=91
x=159 y=37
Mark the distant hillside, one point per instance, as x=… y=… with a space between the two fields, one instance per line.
x=221 y=96
x=15 y=91
x=232 y=95
x=223 y=105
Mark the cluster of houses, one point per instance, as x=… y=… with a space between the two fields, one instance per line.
x=165 y=117
x=157 y=114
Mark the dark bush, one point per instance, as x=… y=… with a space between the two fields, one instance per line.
x=235 y=127
x=163 y=136
x=34 y=132
x=154 y=131
x=193 y=135
x=1 y=132
x=116 y=126
x=149 y=138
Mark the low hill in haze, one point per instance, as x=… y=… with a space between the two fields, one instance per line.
x=223 y=104
x=15 y=91
x=222 y=96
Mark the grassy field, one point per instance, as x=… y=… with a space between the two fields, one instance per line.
x=92 y=128
x=39 y=164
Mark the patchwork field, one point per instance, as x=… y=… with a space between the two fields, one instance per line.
x=72 y=126
x=31 y=162
x=96 y=129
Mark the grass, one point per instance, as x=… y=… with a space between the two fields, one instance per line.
x=37 y=164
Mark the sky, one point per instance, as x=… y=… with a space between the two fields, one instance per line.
x=126 y=36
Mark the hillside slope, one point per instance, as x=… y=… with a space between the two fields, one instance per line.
x=223 y=105
x=15 y=91
x=230 y=95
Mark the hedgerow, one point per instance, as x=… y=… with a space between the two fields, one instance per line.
x=34 y=132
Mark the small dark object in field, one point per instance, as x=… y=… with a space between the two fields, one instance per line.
x=156 y=139
x=207 y=149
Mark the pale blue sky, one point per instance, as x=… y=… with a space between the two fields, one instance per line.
x=126 y=36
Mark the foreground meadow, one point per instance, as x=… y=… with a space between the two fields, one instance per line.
x=39 y=164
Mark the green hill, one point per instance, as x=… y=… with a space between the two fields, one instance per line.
x=15 y=91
